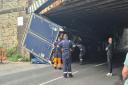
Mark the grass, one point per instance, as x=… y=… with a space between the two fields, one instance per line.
x=14 y=56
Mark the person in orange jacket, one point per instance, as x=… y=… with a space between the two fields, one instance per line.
x=57 y=62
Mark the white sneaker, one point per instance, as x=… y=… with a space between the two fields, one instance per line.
x=109 y=74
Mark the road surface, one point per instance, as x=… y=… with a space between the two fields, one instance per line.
x=88 y=74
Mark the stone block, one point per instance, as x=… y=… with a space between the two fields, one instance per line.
x=11 y=32
x=2 y=30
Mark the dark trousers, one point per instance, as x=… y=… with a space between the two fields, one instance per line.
x=67 y=65
x=109 y=61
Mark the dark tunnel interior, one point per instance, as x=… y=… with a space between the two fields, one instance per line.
x=94 y=22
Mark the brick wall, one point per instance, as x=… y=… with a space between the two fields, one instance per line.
x=7 y=4
x=8 y=30
x=10 y=35
x=8 y=22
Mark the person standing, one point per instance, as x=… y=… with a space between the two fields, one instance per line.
x=66 y=46
x=109 y=50
x=57 y=56
x=82 y=53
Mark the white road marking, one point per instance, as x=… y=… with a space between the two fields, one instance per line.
x=47 y=82
x=99 y=64
x=56 y=79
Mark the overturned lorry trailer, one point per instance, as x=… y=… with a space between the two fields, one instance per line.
x=41 y=35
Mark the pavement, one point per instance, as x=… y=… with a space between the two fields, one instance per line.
x=40 y=74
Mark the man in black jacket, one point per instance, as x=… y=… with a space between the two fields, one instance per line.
x=109 y=50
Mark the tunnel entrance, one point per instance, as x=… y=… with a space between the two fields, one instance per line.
x=94 y=21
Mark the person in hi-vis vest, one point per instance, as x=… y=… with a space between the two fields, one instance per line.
x=57 y=56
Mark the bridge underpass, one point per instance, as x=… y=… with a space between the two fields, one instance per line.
x=94 y=21
x=94 y=25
